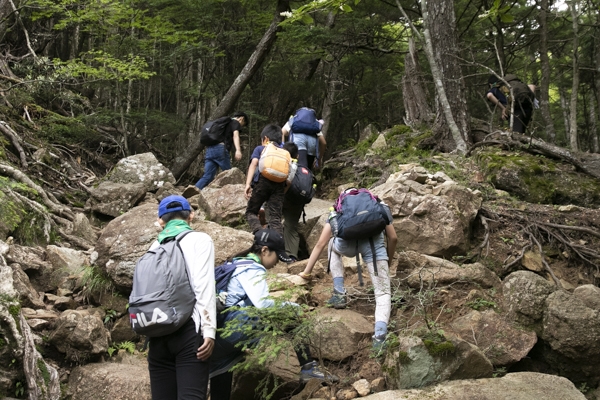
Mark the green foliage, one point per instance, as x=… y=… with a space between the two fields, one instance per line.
x=41 y=364
x=110 y=315
x=97 y=64
x=481 y=304
x=95 y=282
x=436 y=343
x=126 y=345
x=19 y=389
x=499 y=372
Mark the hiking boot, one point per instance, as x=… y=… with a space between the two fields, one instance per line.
x=311 y=370
x=338 y=300
x=379 y=346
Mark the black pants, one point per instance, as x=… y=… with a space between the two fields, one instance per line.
x=225 y=348
x=272 y=193
x=523 y=114
x=306 y=160
x=175 y=372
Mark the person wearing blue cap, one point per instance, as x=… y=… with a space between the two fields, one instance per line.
x=178 y=362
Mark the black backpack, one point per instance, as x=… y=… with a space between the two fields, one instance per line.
x=162 y=299
x=301 y=190
x=522 y=94
x=213 y=132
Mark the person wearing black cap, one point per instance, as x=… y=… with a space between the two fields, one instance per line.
x=178 y=362
x=248 y=288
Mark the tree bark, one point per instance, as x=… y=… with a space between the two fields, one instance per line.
x=227 y=104
x=451 y=129
x=573 y=139
x=564 y=106
x=414 y=91
x=545 y=66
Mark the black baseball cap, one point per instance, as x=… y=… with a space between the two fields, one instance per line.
x=274 y=241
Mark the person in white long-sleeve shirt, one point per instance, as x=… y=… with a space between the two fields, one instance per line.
x=178 y=362
x=248 y=288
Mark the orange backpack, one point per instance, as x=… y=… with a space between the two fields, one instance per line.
x=274 y=163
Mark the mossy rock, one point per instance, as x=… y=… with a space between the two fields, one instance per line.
x=538 y=179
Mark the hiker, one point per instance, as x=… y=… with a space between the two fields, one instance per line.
x=248 y=287
x=299 y=192
x=178 y=362
x=370 y=248
x=499 y=95
x=217 y=154
x=266 y=180
x=305 y=130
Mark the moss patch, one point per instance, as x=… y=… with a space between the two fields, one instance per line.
x=439 y=349
x=44 y=370
x=538 y=179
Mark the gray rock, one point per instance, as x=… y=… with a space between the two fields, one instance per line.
x=515 y=386
x=338 y=332
x=113 y=199
x=141 y=168
x=125 y=380
x=80 y=333
x=413 y=364
x=589 y=295
x=232 y=176
x=524 y=297
x=501 y=342
x=224 y=205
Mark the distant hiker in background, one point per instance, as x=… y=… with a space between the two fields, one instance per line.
x=219 y=136
x=266 y=180
x=499 y=95
x=358 y=222
x=248 y=287
x=178 y=362
x=304 y=129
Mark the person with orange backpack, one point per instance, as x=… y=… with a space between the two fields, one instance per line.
x=268 y=172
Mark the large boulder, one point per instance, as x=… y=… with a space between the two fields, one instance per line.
x=571 y=329
x=416 y=362
x=515 y=386
x=141 y=168
x=66 y=262
x=124 y=240
x=233 y=176
x=80 y=334
x=224 y=205
x=125 y=379
x=113 y=199
x=524 y=297
x=501 y=342
x=430 y=216
x=338 y=332
x=430 y=270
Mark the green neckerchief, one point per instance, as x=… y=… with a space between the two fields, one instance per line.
x=173 y=228
x=250 y=256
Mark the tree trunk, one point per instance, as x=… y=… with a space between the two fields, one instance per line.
x=597 y=75
x=227 y=103
x=545 y=81
x=564 y=106
x=573 y=139
x=451 y=129
x=414 y=91
x=593 y=123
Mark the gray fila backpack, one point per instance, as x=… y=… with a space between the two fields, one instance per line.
x=162 y=299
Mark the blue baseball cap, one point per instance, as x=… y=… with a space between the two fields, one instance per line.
x=164 y=208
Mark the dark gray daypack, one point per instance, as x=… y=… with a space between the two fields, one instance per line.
x=162 y=299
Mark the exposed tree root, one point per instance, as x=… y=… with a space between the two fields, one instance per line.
x=538 y=231
x=47 y=198
x=14 y=139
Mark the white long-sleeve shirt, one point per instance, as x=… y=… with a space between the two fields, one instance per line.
x=199 y=253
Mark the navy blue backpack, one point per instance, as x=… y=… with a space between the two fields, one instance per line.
x=223 y=275
x=361 y=215
x=305 y=121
